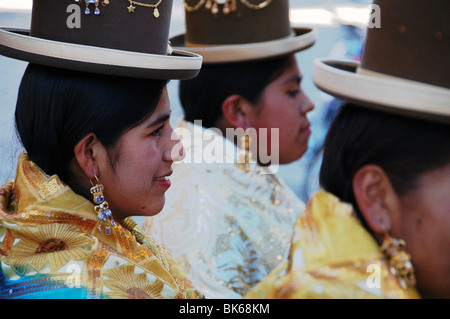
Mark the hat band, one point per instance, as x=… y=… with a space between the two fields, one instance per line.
x=302 y=39
x=95 y=55
x=399 y=80
x=379 y=90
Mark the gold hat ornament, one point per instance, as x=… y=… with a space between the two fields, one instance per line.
x=112 y=38
x=225 y=31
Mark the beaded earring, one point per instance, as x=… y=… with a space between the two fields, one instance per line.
x=399 y=261
x=244 y=154
x=87 y=11
x=102 y=208
x=228 y=6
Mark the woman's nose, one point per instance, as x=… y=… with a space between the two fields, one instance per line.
x=306 y=105
x=175 y=152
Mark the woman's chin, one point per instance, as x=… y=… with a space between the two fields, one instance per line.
x=154 y=209
x=293 y=156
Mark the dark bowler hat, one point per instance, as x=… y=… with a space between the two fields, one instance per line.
x=405 y=66
x=225 y=31
x=117 y=37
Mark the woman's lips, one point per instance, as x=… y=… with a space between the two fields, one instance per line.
x=164 y=180
x=306 y=129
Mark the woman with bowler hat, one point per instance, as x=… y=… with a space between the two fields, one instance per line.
x=93 y=116
x=229 y=218
x=379 y=227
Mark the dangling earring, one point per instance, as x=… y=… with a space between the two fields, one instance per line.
x=244 y=154
x=102 y=208
x=399 y=261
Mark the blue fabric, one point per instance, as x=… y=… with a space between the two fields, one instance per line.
x=38 y=287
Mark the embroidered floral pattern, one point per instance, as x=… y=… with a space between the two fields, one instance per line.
x=53 y=245
x=124 y=283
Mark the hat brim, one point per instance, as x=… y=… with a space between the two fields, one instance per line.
x=301 y=39
x=18 y=44
x=345 y=81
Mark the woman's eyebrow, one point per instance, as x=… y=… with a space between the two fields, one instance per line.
x=160 y=119
x=296 y=78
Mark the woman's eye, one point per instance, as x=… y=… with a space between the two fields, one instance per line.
x=293 y=93
x=157 y=132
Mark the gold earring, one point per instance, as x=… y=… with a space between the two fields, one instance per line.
x=244 y=154
x=399 y=261
x=102 y=208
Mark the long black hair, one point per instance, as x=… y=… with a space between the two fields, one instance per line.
x=57 y=108
x=202 y=97
x=404 y=147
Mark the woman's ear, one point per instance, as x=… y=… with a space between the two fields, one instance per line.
x=86 y=154
x=376 y=198
x=234 y=110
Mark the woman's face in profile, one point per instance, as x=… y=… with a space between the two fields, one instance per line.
x=135 y=183
x=424 y=223
x=284 y=106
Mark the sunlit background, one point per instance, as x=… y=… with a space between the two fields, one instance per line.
x=341 y=26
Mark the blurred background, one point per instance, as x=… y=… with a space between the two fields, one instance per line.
x=341 y=26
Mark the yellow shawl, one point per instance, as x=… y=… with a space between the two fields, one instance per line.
x=331 y=256
x=50 y=246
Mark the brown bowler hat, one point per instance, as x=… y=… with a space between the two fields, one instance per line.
x=405 y=65
x=117 y=37
x=224 y=31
